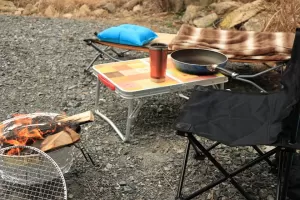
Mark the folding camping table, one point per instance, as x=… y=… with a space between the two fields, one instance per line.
x=131 y=80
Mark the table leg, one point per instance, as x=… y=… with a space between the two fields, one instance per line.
x=132 y=114
x=130 y=117
x=222 y=86
x=102 y=115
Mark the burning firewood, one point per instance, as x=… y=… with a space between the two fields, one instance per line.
x=63 y=138
x=26 y=129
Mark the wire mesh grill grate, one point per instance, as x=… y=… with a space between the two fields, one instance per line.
x=32 y=175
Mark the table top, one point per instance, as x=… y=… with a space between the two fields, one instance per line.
x=133 y=77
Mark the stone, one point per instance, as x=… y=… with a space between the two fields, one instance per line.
x=100 y=13
x=242 y=14
x=130 y=4
x=225 y=7
x=270 y=197
x=206 y=21
x=193 y=12
x=263 y=193
x=83 y=11
x=177 y=5
x=68 y=15
x=109 y=166
x=258 y=22
x=122 y=183
x=110 y=7
x=51 y=12
x=19 y=11
x=7 y=6
x=7 y=9
x=30 y=9
x=197 y=2
x=126 y=13
x=137 y=8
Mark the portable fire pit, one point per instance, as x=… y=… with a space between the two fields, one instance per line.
x=49 y=132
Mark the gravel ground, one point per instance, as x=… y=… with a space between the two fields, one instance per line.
x=42 y=65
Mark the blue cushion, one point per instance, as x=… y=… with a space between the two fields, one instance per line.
x=128 y=34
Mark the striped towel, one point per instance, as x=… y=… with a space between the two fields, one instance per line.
x=241 y=45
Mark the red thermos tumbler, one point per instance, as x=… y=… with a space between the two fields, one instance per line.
x=158 y=61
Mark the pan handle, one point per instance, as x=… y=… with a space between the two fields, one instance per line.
x=236 y=76
x=225 y=71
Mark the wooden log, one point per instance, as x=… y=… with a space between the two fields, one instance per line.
x=81 y=118
x=63 y=138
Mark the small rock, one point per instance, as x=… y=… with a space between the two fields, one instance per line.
x=122 y=183
x=159 y=110
x=270 y=197
x=51 y=12
x=100 y=13
x=130 y=4
x=109 y=166
x=71 y=196
x=127 y=189
x=131 y=178
x=193 y=12
x=126 y=13
x=177 y=5
x=78 y=104
x=30 y=9
x=110 y=7
x=7 y=6
x=19 y=11
x=197 y=2
x=206 y=21
x=224 y=7
x=83 y=11
x=68 y=15
x=242 y=14
x=137 y=8
x=257 y=23
x=263 y=193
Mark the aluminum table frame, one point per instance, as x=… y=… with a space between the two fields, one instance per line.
x=134 y=110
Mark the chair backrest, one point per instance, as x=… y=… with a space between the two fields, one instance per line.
x=291 y=82
x=291 y=77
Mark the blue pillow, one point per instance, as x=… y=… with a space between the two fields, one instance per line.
x=128 y=34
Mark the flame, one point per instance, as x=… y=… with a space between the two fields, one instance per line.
x=25 y=133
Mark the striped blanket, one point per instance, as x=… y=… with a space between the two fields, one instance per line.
x=242 y=45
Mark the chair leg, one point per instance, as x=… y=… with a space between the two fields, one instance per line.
x=267 y=159
x=192 y=141
x=285 y=164
x=181 y=180
x=201 y=156
x=93 y=61
x=219 y=166
x=280 y=171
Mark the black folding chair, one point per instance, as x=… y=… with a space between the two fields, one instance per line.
x=244 y=119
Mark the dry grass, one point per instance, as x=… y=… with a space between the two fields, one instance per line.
x=163 y=5
x=65 y=6
x=286 y=16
